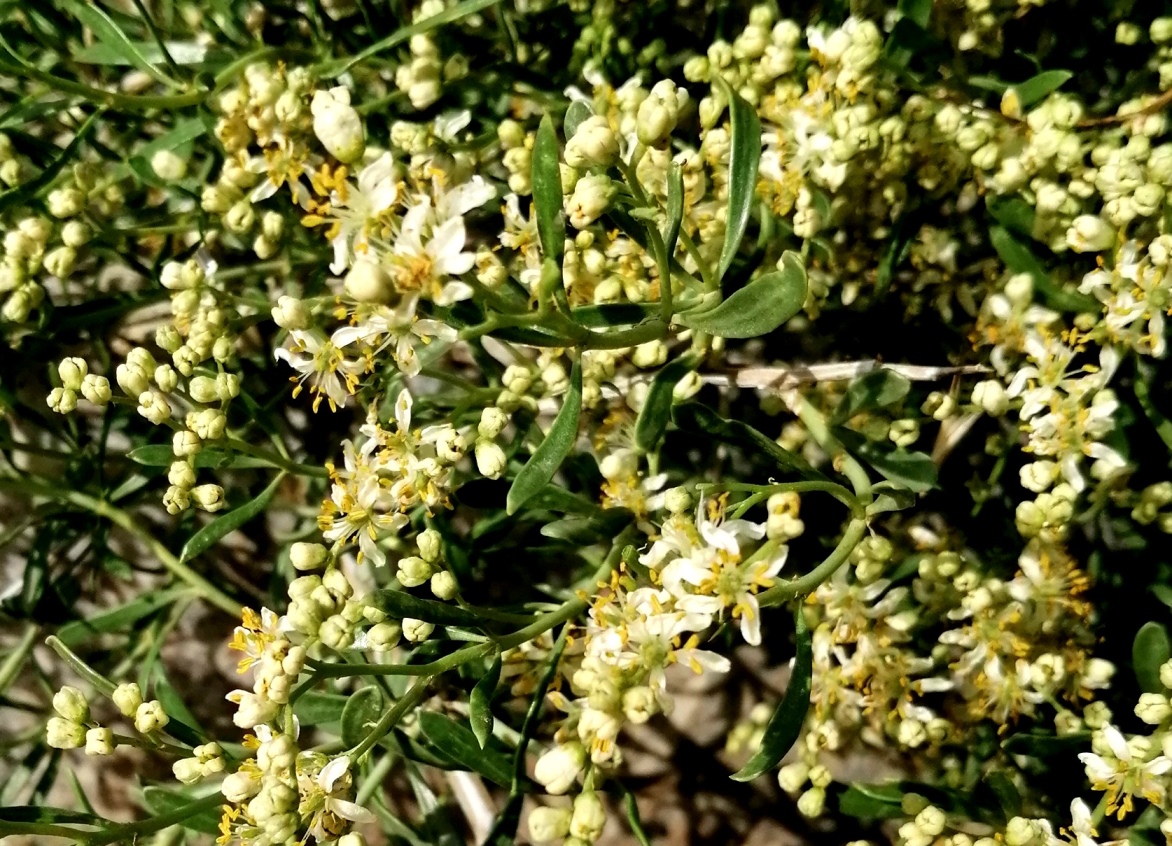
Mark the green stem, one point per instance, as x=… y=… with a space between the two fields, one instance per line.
x=711 y=283
x=388 y=720
x=130 y=832
x=803 y=585
x=131 y=526
x=17 y=657
x=815 y=423
x=95 y=679
x=322 y=670
x=374 y=779
x=277 y=461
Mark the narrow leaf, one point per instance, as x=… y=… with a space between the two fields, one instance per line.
x=1037 y=87
x=759 y=307
x=1149 y=650
x=314 y=708
x=694 y=417
x=23 y=192
x=77 y=632
x=480 y=703
x=914 y=470
x=160 y=800
x=215 y=531
x=108 y=32
x=546 y=178
x=743 y=158
x=183 y=52
x=656 y=411
x=363 y=709
x=675 y=207
x=877 y=389
x=457 y=742
x=48 y=814
x=401 y=605
x=1019 y=259
x=559 y=440
x=578 y=111
x=786 y=723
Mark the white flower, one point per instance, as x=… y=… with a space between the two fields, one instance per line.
x=1122 y=774
x=380 y=327
x=332 y=377
x=334 y=784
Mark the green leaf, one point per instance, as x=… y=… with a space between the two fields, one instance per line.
x=546 y=177
x=743 y=158
x=914 y=470
x=1037 y=87
x=102 y=53
x=608 y=315
x=583 y=529
x=161 y=455
x=108 y=33
x=758 y=308
x=77 y=632
x=786 y=723
x=578 y=111
x=334 y=69
x=694 y=417
x=1005 y=790
x=457 y=741
x=183 y=724
x=160 y=800
x=1143 y=394
x=877 y=389
x=480 y=703
x=1162 y=593
x=1019 y=259
x=1045 y=744
x=918 y=12
x=656 y=411
x=1014 y=213
x=25 y=191
x=559 y=440
x=890 y=497
x=634 y=820
x=1149 y=650
x=314 y=708
x=401 y=605
x=362 y=710
x=675 y=207
x=872 y=802
x=215 y=531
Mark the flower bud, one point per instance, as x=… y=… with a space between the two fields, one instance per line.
x=547 y=825
x=241 y=786
x=417 y=631
x=308 y=556
x=384 y=636
x=70 y=703
x=1153 y=708
x=413 y=571
x=291 y=313
x=96 y=389
x=61 y=733
x=99 y=741
x=1089 y=234
x=639 y=704
x=60 y=262
x=589 y=816
x=62 y=400
x=127 y=697
x=75 y=234
x=793 y=777
x=185 y=444
x=150 y=717
x=557 y=769
x=590 y=199
x=368 y=282
x=811 y=803
x=658 y=114
x=443 y=585
x=490 y=459
x=337 y=124
x=677 y=500
x=187 y=770
x=168 y=165
x=492 y=421
x=594 y=144
x=72 y=371
x=208 y=497
x=991 y=397
x=65 y=202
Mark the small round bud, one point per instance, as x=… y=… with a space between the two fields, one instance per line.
x=291 y=313
x=208 y=497
x=443 y=585
x=384 y=636
x=337 y=124
x=61 y=733
x=99 y=741
x=150 y=717
x=589 y=816
x=558 y=768
x=490 y=459
x=417 y=631
x=127 y=697
x=168 y=165
x=368 y=282
x=308 y=556
x=96 y=389
x=547 y=825
x=413 y=571
x=72 y=371
x=594 y=144
x=70 y=703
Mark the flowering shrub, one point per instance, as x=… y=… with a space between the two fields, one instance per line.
x=494 y=367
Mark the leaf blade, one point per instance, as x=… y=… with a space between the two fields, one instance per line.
x=216 y=530
x=559 y=440
x=743 y=160
x=758 y=308
x=786 y=723
x=480 y=703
